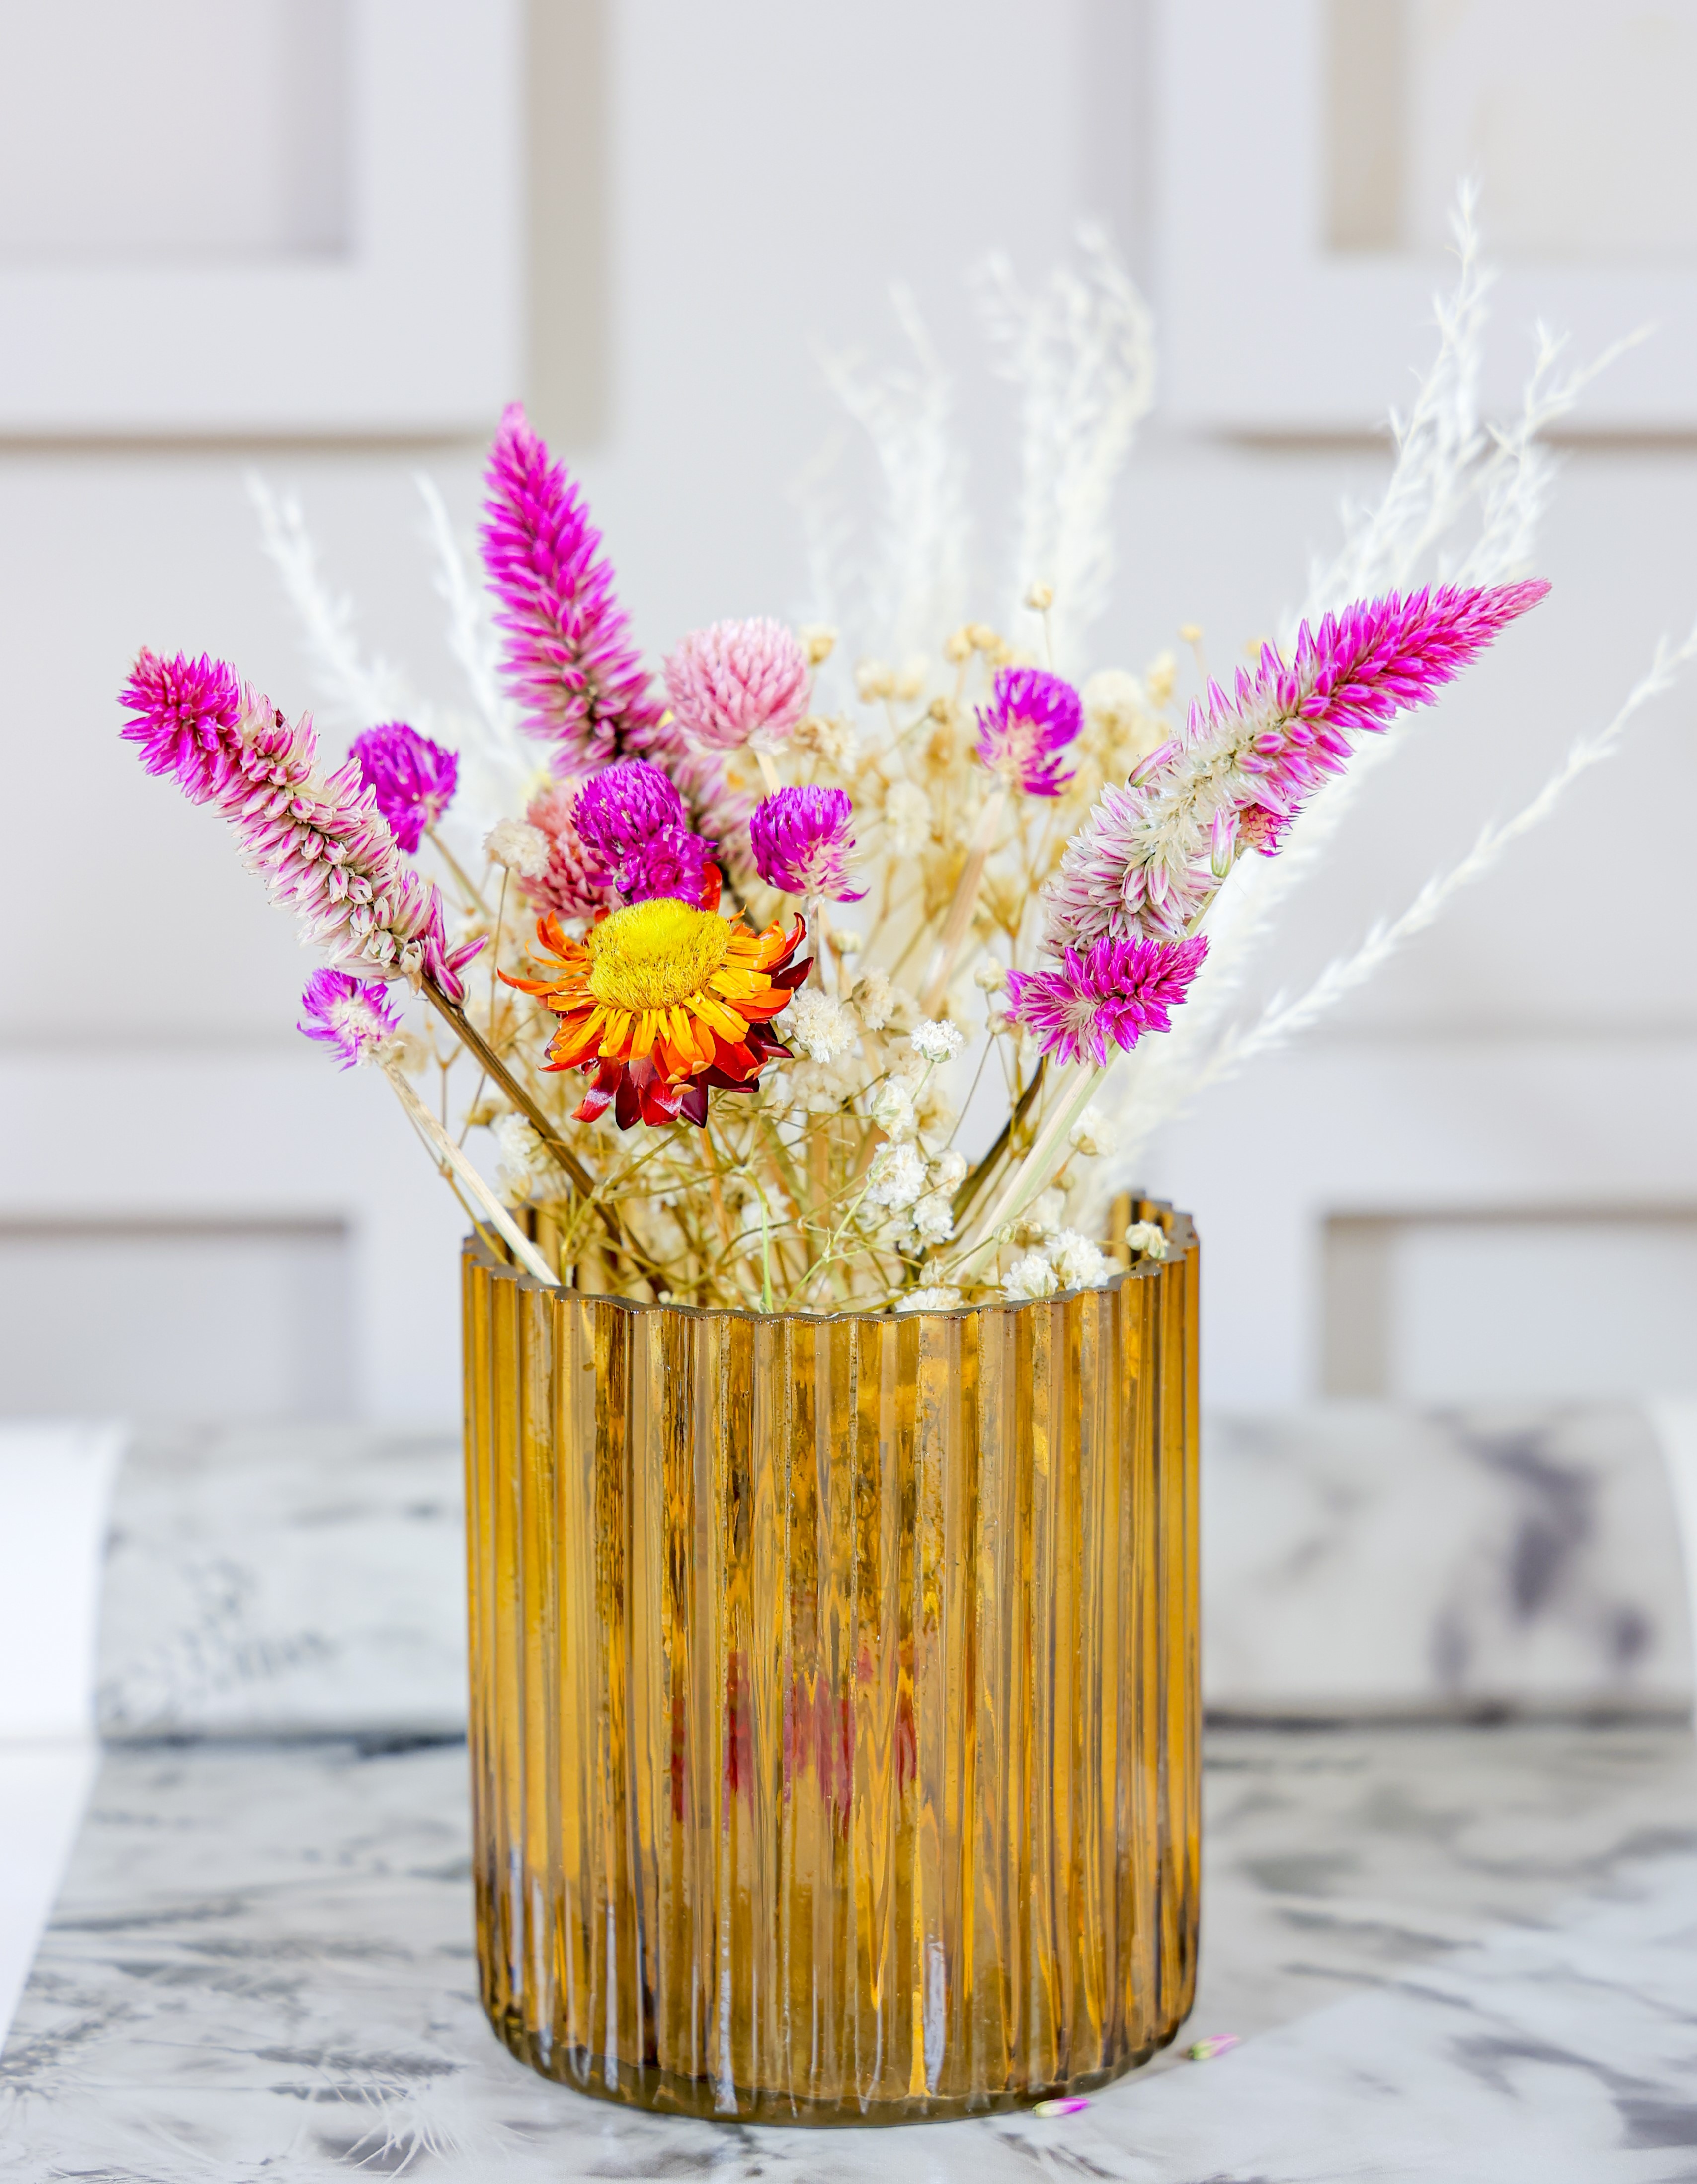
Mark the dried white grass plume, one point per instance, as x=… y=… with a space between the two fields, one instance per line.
x=354 y=693
x=916 y=584
x=1080 y=351
x=1162 y=1095
x=1447 y=467
x=472 y=639
x=499 y=764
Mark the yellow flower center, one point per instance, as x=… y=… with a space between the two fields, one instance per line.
x=655 y=954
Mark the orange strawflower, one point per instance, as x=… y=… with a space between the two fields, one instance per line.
x=661 y=1000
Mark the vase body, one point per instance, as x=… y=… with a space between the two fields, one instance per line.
x=834 y=1716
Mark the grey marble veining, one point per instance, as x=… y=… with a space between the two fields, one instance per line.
x=1452 y=1953
x=1357 y=1558
x=285 y=1581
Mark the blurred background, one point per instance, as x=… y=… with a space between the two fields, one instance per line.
x=325 y=240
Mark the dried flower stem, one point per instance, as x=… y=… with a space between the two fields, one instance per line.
x=473 y=896
x=491 y=1063
x=514 y=1237
x=965 y=899
x=1033 y=1173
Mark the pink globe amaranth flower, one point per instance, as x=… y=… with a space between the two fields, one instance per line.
x=801 y=843
x=184 y=713
x=636 y=834
x=1108 y=994
x=411 y=778
x=319 y=842
x=568 y=658
x=1030 y=719
x=569 y=887
x=354 y=1016
x=1151 y=853
x=736 y=681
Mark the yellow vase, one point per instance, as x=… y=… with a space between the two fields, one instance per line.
x=835 y=1721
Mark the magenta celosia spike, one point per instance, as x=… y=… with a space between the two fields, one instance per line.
x=567 y=656
x=1258 y=757
x=184 y=713
x=321 y=843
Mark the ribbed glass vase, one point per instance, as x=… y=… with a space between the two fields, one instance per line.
x=835 y=1727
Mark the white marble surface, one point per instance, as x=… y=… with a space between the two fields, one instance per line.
x=1460 y=1953
x=56 y=1479
x=285 y=1581
x=1357 y=1559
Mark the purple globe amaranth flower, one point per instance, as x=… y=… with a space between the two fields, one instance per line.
x=411 y=778
x=1030 y=719
x=1108 y=994
x=801 y=843
x=636 y=835
x=319 y=841
x=568 y=657
x=354 y=1016
x=568 y=886
x=1150 y=854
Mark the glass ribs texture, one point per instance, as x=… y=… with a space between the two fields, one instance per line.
x=835 y=1713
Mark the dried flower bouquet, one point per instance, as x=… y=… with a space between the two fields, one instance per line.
x=772 y=1003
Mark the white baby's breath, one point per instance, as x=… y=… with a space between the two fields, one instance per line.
x=934 y=1218
x=1093 y=1135
x=896 y=1177
x=907 y=818
x=1031 y=1276
x=949 y=1170
x=892 y=1110
x=938 y=1297
x=1080 y=1263
x=936 y=1040
x=823 y=1027
x=1147 y=1240
x=518 y=847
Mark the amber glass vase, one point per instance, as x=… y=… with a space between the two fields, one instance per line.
x=834 y=1725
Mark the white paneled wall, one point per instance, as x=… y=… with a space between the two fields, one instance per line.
x=769 y=169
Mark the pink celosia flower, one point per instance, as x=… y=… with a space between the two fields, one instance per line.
x=636 y=834
x=1109 y=994
x=569 y=659
x=319 y=843
x=1151 y=853
x=802 y=843
x=738 y=682
x=1029 y=721
x=352 y=1015
x=411 y=778
x=567 y=886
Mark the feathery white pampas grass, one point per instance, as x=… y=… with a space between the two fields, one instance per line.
x=1080 y=351
x=498 y=763
x=916 y=583
x=354 y=693
x=1163 y=1094
x=1448 y=465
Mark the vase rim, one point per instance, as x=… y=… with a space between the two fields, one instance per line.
x=1182 y=1237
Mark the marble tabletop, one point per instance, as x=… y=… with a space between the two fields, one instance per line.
x=1450 y=1952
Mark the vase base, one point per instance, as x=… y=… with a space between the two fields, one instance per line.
x=669 y=2093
